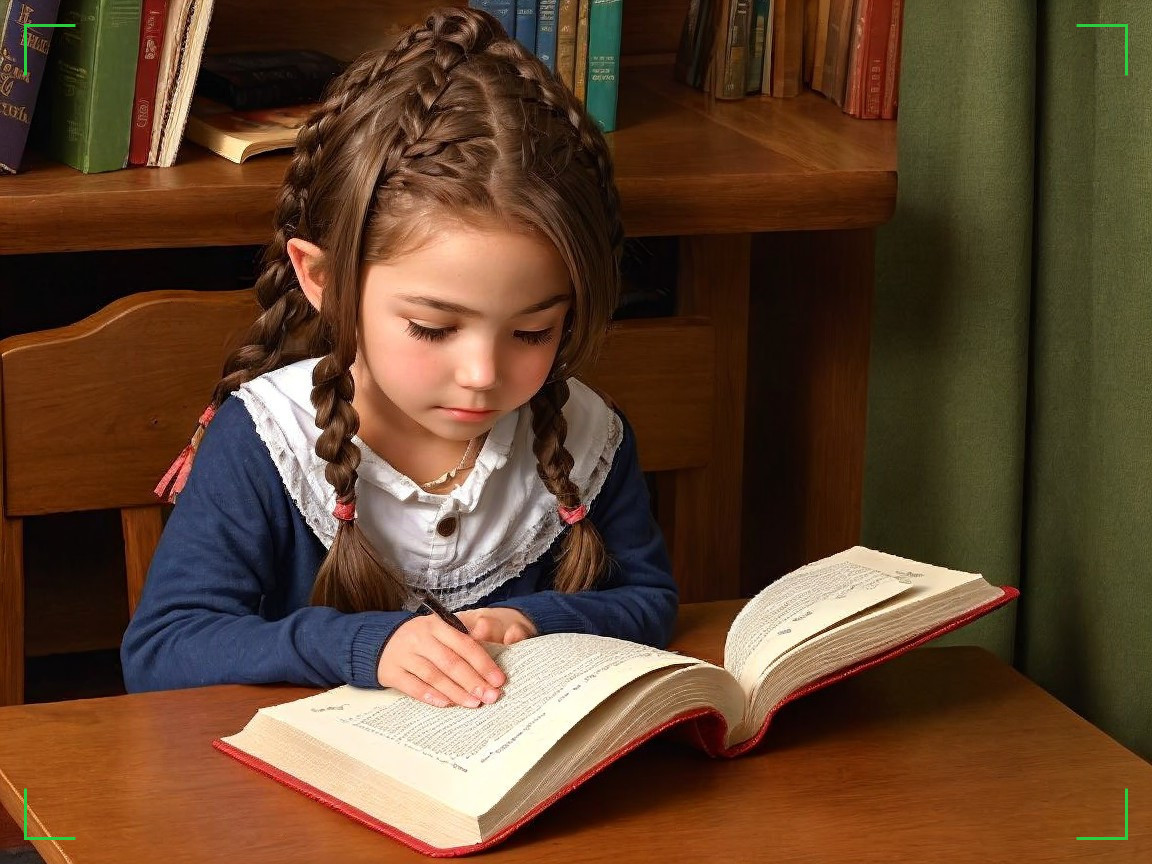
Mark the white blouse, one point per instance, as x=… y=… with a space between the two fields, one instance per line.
x=465 y=543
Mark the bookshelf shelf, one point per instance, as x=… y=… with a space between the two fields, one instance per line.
x=686 y=164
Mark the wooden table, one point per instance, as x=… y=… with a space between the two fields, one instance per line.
x=944 y=754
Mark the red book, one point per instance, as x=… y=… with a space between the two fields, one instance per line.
x=147 y=70
x=875 y=57
x=892 y=66
x=451 y=781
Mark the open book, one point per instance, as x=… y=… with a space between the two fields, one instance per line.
x=236 y=135
x=449 y=781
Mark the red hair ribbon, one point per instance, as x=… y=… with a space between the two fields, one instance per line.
x=572 y=515
x=172 y=483
x=345 y=510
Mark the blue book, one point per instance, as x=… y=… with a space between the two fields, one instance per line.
x=526 y=24
x=503 y=11
x=546 y=33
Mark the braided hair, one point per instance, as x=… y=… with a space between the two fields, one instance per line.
x=456 y=122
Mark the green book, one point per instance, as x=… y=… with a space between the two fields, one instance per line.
x=604 y=24
x=86 y=121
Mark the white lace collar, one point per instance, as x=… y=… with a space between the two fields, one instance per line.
x=504 y=516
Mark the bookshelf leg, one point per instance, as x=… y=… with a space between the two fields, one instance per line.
x=713 y=282
x=811 y=313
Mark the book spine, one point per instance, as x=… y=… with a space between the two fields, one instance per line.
x=19 y=90
x=605 y=20
x=546 y=33
x=582 y=52
x=733 y=80
x=147 y=71
x=567 y=15
x=683 y=62
x=892 y=64
x=769 y=30
x=856 y=51
x=526 y=24
x=755 y=64
x=92 y=79
x=503 y=11
x=876 y=57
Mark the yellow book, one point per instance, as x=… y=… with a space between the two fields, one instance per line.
x=236 y=135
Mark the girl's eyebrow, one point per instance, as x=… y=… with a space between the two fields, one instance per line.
x=456 y=309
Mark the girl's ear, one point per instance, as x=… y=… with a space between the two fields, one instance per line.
x=306 y=261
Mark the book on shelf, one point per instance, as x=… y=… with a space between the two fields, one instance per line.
x=848 y=50
x=20 y=85
x=147 y=71
x=185 y=31
x=236 y=135
x=247 y=80
x=525 y=31
x=449 y=781
x=85 y=117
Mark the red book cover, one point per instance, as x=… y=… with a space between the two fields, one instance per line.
x=892 y=66
x=875 y=58
x=147 y=71
x=857 y=50
x=701 y=727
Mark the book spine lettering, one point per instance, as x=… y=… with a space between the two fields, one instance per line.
x=604 y=25
x=147 y=71
x=582 y=52
x=526 y=24
x=503 y=11
x=19 y=88
x=546 y=33
x=567 y=15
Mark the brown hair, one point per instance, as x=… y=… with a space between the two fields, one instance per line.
x=456 y=121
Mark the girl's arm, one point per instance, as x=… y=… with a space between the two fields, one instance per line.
x=637 y=598
x=236 y=547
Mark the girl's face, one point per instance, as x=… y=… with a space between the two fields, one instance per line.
x=469 y=322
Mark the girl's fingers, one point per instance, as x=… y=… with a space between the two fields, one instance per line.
x=475 y=658
x=438 y=679
x=410 y=685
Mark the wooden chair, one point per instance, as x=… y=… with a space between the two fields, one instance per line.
x=91 y=415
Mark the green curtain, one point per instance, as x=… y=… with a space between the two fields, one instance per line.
x=1010 y=395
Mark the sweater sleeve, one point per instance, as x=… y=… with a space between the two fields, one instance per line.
x=637 y=598
x=234 y=538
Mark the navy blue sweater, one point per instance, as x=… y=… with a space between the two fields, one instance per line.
x=226 y=601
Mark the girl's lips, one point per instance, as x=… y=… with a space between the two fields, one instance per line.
x=465 y=414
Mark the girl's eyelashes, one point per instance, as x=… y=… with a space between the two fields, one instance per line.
x=438 y=334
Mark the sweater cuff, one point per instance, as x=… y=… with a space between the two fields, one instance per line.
x=548 y=613
x=368 y=644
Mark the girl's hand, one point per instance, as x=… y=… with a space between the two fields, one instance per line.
x=498 y=624
x=436 y=663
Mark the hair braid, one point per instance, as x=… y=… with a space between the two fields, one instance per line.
x=582 y=557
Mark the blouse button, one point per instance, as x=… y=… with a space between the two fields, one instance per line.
x=446 y=526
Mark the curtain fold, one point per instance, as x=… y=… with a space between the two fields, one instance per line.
x=1010 y=395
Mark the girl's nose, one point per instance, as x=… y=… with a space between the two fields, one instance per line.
x=478 y=369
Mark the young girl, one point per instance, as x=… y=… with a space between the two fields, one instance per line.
x=405 y=417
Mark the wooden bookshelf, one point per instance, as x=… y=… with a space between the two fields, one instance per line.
x=774 y=201
x=685 y=164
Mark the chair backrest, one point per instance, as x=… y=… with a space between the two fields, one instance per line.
x=93 y=413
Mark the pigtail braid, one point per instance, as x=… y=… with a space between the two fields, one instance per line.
x=582 y=557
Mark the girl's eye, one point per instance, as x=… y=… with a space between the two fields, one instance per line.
x=535 y=337
x=432 y=334
x=437 y=334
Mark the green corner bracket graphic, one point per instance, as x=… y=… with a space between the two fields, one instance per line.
x=24 y=39
x=1125 y=837
x=26 y=837
x=1125 y=26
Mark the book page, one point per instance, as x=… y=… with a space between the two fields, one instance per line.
x=797 y=606
x=470 y=757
